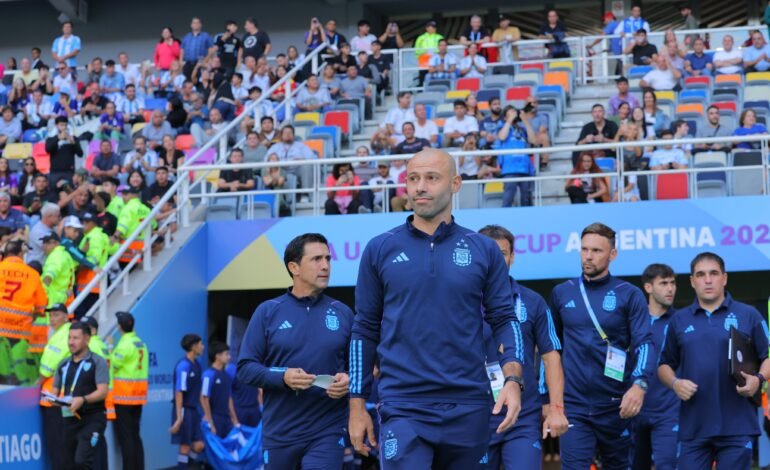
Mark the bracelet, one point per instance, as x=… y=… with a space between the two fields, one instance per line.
x=560 y=407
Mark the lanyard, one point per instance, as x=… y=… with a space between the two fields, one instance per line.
x=64 y=371
x=475 y=35
x=591 y=312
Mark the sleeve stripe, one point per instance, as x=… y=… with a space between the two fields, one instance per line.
x=183 y=381
x=205 y=389
x=519 y=341
x=359 y=365
x=641 y=361
x=552 y=330
x=352 y=360
x=541 y=380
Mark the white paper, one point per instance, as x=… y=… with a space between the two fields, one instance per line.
x=323 y=381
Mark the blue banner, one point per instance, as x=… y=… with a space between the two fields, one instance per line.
x=21 y=430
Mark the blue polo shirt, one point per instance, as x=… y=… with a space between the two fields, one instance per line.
x=751 y=53
x=519 y=164
x=696 y=347
x=699 y=62
x=217 y=386
x=187 y=379
x=659 y=399
x=196 y=46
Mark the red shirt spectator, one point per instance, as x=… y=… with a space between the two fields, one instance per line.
x=167 y=50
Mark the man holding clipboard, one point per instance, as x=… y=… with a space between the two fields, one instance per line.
x=717 y=419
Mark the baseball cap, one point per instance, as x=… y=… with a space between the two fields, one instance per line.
x=88 y=217
x=125 y=320
x=431 y=23
x=57 y=308
x=132 y=190
x=72 y=221
x=81 y=172
x=608 y=16
x=50 y=237
x=91 y=321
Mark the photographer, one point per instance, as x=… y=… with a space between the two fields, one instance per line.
x=63 y=148
x=391 y=38
x=513 y=136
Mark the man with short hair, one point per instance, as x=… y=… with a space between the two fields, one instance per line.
x=156 y=129
x=505 y=36
x=424 y=128
x=656 y=428
x=717 y=418
x=410 y=144
x=442 y=64
x=50 y=214
x=66 y=47
x=435 y=414
x=112 y=82
x=690 y=23
x=10 y=127
x=597 y=131
x=355 y=86
x=623 y=96
x=195 y=46
x=363 y=40
x=729 y=60
x=37 y=60
x=186 y=421
x=756 y=58
x=256 y=43
x=131 y=73
x=490 y=126
x=397 y=116
x=64 y=81
x=698 y=63
x=713 y=128
x=668 y=157
x=94 y=105
x=26 y=73
x=600 y=318
x=334 y=38
x=203 y=133
x=216 y=392
x=475 y=32
x=63 y=149
x=302 y=426
x=458 y=126
x=229 y=48
x=54 y=350
x=513 y=136
x=663 y=76
x=106 y=164
x=110 y=124
x=141 y=158
x=37 y=112
x=160 y=187
x=520 y=446
x=130 y=105
x=10 y=218
x=236 y=179
x=94 y=71
x=473 y=65
x=643 y=52
x=289 y=149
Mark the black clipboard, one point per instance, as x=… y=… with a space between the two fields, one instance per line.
x=743 y=358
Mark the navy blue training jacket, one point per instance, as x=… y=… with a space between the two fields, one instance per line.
x=419 y=301
x=659 y=399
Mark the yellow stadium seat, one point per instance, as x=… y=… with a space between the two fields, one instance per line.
x=562 y=64
x=457 y=95
x=17 y=151
x=315 y=118
x=665 y=96
x=493 y=187
x=763 y=77
x=137 y=127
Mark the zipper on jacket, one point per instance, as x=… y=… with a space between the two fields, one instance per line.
x=432 y=264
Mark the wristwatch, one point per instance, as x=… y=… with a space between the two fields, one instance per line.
x=85 y=400
x=761 y=378
x=517 y=379
x=641 y=383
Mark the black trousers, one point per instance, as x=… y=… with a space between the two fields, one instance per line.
x=127 y=422
x=53 y=424
x=82 y=441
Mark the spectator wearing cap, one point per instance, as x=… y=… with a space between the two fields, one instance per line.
x=443 y=64
x=427 y=42
x=58 y=270
x=10 y=127
x=506 y=35
x=106 y=163
x=72 y=234
x=112 y=82
x=623 y=96
x=35 y=200
x=364 y=38
x=10 y=218
x=615 y=45
x=63 y=149
x=96 y=246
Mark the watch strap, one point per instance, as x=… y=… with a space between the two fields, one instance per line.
x=515 y=378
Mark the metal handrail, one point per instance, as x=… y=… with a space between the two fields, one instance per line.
x=144 y=230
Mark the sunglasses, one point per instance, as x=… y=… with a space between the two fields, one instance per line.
x=29 y=164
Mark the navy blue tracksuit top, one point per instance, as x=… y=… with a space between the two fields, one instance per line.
x=696 y=347
x=622 y=312
x=311 y=333
x=659 y=399
x=419 y=301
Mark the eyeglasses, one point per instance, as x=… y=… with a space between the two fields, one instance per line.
x=29 y=164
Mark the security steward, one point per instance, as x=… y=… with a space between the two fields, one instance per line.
x=82 y=380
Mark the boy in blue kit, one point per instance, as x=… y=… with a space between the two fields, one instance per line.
x=420 y=292
x=717 y=420
x=247 y=399
x=295 y=349
x=520 y=447
x=603 y=320
x=186 y=419
x=655 y=430
x=216 y=392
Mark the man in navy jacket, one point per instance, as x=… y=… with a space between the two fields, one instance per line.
x=717 y=420
x=424 y=289
x=604 y=321
x=295 y=349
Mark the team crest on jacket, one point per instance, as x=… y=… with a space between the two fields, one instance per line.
x=332 y=322
x=87 y=366
x=462 y=255
x=390 y=448
x=610 y=302
x=731 y=320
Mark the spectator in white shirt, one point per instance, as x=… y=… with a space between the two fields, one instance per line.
x=663 y=76
x=38 y=111
x=288 y=149
x=458 y=126
x=313 y=98
x=141 y=158
x=473 y=65
x=397 y=116
x=64 y=82
x=131 y=106
x=728 y=60
x=66 y=47
x=668 y=157
x=443 y=64
x=131 y=73
x=363 y=41
x=424 y=128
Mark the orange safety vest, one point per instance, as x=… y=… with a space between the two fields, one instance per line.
x=129 y=391
x=22 y=296
x=38 y=338
x=82 y=279
x=47 y=386
x=136 y=247
x=109 y=406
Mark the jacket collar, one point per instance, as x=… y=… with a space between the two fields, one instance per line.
x=442 y=231
x=696 y=308
x=596 y=282
x=308 y=301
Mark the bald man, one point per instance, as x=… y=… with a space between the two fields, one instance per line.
x=424 y=288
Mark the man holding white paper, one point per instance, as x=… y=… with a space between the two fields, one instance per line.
x=717 y=420
x=295 y=349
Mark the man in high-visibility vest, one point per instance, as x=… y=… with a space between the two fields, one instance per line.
x=55 y=351
x=22 y=296
x=116 y=204
x=129 y=365
x=131 y=216
x=58 y=271
x=96 y=245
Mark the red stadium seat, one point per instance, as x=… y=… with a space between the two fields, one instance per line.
x=340 y=119
x=472 y=84
x=518 y=93
x=726 y=105
x=540 y=67
x=672 y=186
x=697 y=82
x=90 y=161
x=42 y=159
x=185 y=142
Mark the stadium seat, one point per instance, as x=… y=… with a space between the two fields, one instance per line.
x=17 y=151
x=759 y=104
x=356 y=117
x=665 y=97
x=509 y=70
x=430 y=110
x=747 y=182
x=671 y=186
x=452 y=95
x=89 y=162
x=699 y=95
x=485 y=95
x=728 y=81
x=527 y=78
x=606 y=164
x=639 y=71
x=689 y=110
x=712 y=183
x=434 y=98
x=517 y=95
x=445 y=110
x=263 y=206
x=340 y=119
x=697 y=83
x=493 y=195
x=137 y=127
x=497 y=81
x=317 y=146
x=757 y=78
x=726 y=108
x=756 y=93
x=560 y=78
x=42 y=159
x=307 y=119
x=223 y=208
x=470 y=84
x=726 y=94
x=331 y=134
x=31 y=136
x=185 y=142
x=152 y=104
x=565 y=65
x=693 y=124
x=95 y=146
x=208 y=156
x=537 y=66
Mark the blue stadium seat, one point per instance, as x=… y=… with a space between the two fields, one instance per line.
x=639 y=71
x=152 y=104
x=693 y=96
x=488 y=94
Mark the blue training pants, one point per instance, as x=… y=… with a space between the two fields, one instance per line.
x=730 y=453
x=655 y=439
x=318 y=454
x=441 y=435
x=604 y=431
